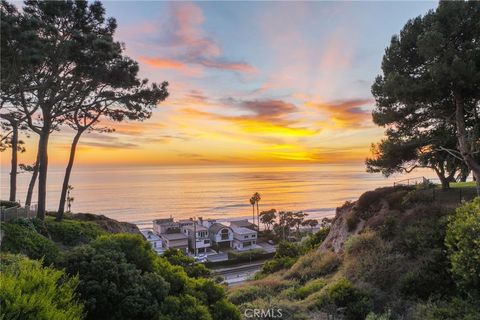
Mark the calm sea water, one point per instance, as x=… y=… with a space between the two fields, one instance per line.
x=141 y=194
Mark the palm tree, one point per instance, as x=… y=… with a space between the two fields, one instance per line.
x=257 y=198
x=252 y=202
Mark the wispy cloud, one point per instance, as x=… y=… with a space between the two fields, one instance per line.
x=349 y=113
x=189 y=44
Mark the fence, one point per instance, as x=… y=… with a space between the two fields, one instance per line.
x=8 y=214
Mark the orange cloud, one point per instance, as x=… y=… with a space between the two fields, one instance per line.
x=345 y=113
x=163 y=63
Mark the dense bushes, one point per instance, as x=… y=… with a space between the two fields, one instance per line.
x=463 y=243
x=313 y=265
x=20 y=236
x=32 y=292
x=355 y=302
x=244 y=256
x=72 y=232
x=178 y=258
x=121 y=277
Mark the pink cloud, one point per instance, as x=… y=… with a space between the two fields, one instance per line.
x=183 y=42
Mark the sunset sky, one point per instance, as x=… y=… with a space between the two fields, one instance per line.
x=250 y=82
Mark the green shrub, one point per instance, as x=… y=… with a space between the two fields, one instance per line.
x=288 y=249
x=223 y=309
x=19 y=238
x=244 y=256
x=277 y=264
x=313 y=265
x=30 y=291
x=245 y=294
x=358 y=244
x=310 y=287
x=9 y=204
x=427 y=278
x=370 y=259
x=317 y=238
x=72 y=232
x=352 y=219
x=455 y=309
x=384 y=316
x=463 y=243
x=357 y=303
x=178 y=258
x=425 y=230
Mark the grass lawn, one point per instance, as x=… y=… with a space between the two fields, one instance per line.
x=462 y=184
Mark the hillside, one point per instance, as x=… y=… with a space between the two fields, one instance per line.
x=92 y=267
x=392 y=254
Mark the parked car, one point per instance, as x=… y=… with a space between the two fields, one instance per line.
x=271 y=242
x=201 y=258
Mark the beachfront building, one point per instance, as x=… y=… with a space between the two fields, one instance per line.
x=154 y=240
x=175 y=241
x=198 y=239
x=168 y=225
x=220 y=235
x=244 y=238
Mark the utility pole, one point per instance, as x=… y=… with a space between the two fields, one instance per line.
x=194 y=237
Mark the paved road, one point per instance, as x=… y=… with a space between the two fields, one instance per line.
x=239 y=273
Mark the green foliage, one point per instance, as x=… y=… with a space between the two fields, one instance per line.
x=454 y=309
x=20 y=237
x=178 y=258
x=245 y=294
x=288 y=249
x=244 y=256
x=384 y=316
x=352 y=219
x=428 y=277
x=223 y=309
x=30 y=291
x=277 y=264
x=9 y=204
x=463 y=243
x=370 y=259
x=72 y=232
x=317 y=238
x=308 y=288
x=313 y=265
x=343 y=294
x=183 y=307
x=121 y=277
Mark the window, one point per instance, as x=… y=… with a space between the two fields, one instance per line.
x=206 y=241
x=245 y=237
x=253 y=235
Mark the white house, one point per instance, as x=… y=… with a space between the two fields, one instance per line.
x=154 y=240
x=243 y=238
x=220 y=235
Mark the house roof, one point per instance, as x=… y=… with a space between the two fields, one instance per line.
x=150 y=235
x=242 y=230
x=174 y=236
x=214 y=228
x=242 y=223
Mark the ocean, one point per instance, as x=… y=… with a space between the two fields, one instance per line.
x=141 y=194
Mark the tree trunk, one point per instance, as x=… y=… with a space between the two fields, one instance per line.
x=66 y=179
x=31 y=185
x=258 y=218
x=462 y=140
x=14 y=163
x=441 y=176
x=42 y=173
x=253 y=214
